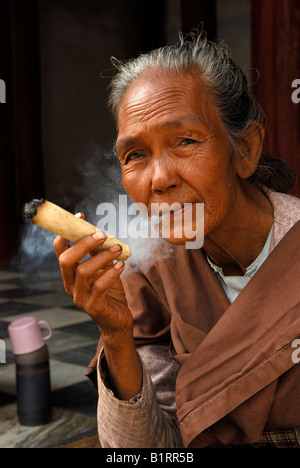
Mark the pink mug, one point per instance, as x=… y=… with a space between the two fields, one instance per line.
x=26 y=335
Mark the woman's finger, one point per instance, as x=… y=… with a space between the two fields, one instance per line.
x=60 y=245
x=80 y=215
x=105 y=282
x=79 y=250
x=89 y=271
x=97 y=262
x=69 y=257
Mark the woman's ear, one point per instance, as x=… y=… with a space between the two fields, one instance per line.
x=250 y=149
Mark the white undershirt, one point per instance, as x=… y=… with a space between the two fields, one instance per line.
x=233 y=285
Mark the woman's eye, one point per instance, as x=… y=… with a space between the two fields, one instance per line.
x=187 y=141
x=133 y=156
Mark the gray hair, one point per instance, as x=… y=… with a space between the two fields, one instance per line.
x=220 y=77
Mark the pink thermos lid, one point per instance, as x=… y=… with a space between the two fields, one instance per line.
x=26 y=335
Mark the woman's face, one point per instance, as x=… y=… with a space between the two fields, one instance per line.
x=173 y=148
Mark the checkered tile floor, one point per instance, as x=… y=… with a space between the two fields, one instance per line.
x=71 y=348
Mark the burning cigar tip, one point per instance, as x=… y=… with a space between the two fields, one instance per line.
x=30 y=208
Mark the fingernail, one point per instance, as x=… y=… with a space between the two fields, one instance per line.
x=99 y=235
x=115 y=248
x=119 y=265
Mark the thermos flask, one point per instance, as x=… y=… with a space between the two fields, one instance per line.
x=32 y=370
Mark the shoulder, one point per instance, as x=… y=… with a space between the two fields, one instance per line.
x=286 y=213
x=286 y=208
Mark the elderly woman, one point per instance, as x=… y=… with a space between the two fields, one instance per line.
x=196 y=351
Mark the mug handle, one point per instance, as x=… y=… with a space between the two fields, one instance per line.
x=49 y=329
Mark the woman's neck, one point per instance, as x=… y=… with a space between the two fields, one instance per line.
x=238 y=241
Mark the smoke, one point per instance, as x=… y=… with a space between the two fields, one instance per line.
x=36 y=252
x=105 y=188
x=101 y=183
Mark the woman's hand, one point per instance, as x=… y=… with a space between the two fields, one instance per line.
x=94 y=283
x=95 y=286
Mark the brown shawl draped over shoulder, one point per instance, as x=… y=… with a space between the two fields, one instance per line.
x=237 y=376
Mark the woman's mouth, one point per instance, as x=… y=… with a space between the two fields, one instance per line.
x=161 y=211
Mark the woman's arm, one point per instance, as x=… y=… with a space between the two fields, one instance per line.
x=149 y=420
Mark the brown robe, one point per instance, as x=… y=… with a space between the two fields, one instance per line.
x=237 y=377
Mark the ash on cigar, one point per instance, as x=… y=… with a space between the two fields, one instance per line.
x=30 y=208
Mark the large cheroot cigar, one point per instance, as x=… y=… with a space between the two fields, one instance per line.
x=55 y=219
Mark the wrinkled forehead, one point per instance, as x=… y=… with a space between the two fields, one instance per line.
x=163 y=94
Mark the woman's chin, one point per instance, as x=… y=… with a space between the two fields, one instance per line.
x=174 y=241
x=194 y=243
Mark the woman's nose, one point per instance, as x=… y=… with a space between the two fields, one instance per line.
x=164 y=177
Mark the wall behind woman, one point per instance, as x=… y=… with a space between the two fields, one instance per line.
x=276 y=56
x=77 y=39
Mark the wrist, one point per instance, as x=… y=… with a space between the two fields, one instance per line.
x=118 y=340
x=106 y=380
x=123 y=366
